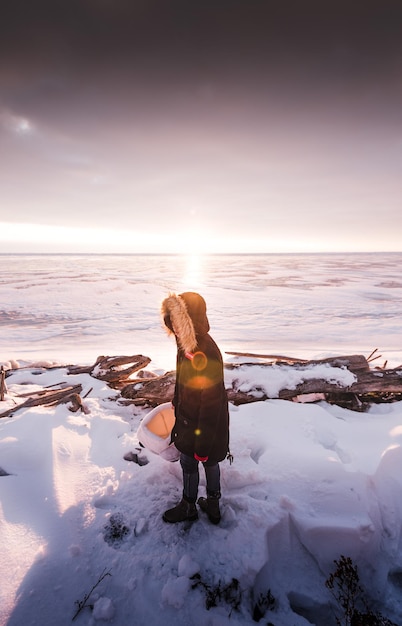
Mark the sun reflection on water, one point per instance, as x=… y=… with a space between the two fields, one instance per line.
x=193 y=274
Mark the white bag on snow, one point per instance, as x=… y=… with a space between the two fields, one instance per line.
x=155 y=429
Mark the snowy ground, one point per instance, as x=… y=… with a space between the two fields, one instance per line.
x=309 y=483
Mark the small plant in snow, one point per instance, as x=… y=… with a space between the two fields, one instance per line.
x=344 y=586
x=82 y=604
x=230 y=593
x=265 y=602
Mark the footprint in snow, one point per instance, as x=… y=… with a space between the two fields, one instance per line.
x=136 y=457
x=115 y=531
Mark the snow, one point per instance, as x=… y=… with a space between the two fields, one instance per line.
x=80 y=525
x=309 y=483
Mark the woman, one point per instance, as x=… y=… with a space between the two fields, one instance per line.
x=201 y=430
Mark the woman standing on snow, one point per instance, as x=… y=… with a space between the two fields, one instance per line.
x=201 y=430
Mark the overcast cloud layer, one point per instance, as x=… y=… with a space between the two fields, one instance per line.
x=265 y=124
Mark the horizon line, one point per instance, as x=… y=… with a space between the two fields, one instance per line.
x=185 y=254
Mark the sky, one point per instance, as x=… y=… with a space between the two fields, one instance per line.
x=189 y=126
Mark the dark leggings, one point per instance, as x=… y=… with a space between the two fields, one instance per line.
x=191 y=477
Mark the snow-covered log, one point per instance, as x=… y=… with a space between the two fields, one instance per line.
x=349 y=381
x=46 y=397
x=367 y=382
x=113 y=369
x=150 y=392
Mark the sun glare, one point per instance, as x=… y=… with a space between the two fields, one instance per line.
x=193 y=272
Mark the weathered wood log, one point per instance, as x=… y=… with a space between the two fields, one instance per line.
x=140 y=378
x=158 y=390
x=81 y=369
x=44 y=397
x=371 y=385
x=110 y=368
x=237 y=397
x=273 y=357
x=151 y=391
x=147 y=389
x=76 y=404
x=354 y=362
x=155 y=391
x=2 y=383
x=372 y=381
x=361 y=402
x=382 y=381
x=46 y=391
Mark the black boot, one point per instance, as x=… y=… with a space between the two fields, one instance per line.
x=210 y=506
x=181 y=512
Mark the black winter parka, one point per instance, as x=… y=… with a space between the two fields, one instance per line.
x=200 y=398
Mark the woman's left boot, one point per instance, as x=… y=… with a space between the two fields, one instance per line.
x=183 y=511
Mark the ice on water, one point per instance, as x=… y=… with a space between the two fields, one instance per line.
x=78 y=307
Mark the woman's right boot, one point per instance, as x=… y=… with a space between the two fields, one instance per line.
x=210 y=506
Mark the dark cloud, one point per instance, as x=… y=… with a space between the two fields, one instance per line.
x=91 y=59
x=232 y=41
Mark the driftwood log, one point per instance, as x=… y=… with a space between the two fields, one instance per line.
x=111 y=368
x=354 y=363
x=377 y=381
x=48 y=398
x=277 y=359
x=158 y=390
x=3 y=387
x=371 y=385
x=148 y=390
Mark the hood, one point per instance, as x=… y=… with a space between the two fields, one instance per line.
x=185 y=315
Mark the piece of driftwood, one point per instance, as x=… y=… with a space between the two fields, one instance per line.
x=371 y=385
x=368 y=382
x=354 y=362
x=147 y=389
x=158 y=390
x=45 y=397
x=111 y=368
x=272 y=357
x=150 y=392
x=3 y=388
x=76 y=404
x=278 y=359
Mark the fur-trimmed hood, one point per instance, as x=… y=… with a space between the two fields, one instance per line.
x=185 y=315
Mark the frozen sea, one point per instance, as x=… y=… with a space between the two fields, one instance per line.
x=73 y=308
